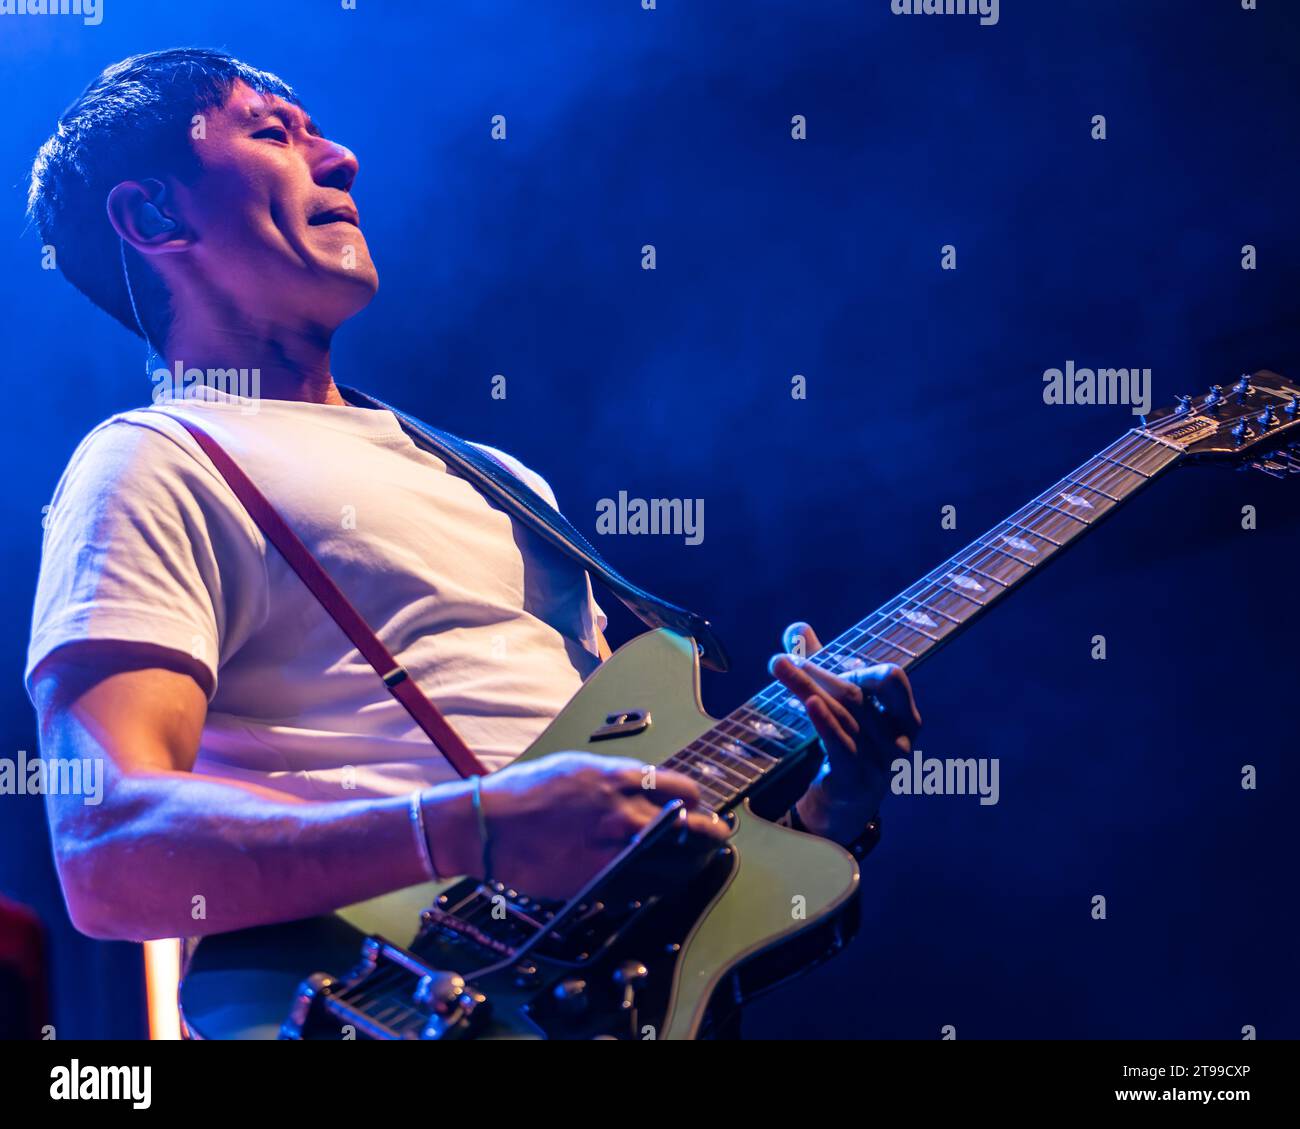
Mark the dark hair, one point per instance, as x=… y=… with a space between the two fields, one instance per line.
x=132 y=122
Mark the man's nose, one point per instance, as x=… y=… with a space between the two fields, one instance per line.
x=336 y=167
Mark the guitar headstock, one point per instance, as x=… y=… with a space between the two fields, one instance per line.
x=1254 y=422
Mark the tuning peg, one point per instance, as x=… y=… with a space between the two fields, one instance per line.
x=1242 y=387
x=1293 y=408
x=1215 y=394
x=1268 y=417
x=1184 y=405
x=1241 y=432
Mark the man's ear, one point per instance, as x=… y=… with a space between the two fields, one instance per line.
x=141 y=214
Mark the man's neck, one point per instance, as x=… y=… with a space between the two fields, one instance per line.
x=290 y=366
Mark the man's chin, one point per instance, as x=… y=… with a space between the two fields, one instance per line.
x=346 y=292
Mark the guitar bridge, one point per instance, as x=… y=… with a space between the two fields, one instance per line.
x=390 y=994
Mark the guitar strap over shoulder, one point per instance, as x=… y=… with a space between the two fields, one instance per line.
x=494 y=479
x=500 y=484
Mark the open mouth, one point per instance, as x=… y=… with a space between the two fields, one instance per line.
x=341 y=214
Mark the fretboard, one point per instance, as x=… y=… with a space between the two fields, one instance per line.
x=771 y=727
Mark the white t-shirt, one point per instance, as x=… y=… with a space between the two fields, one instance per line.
x=145 y=542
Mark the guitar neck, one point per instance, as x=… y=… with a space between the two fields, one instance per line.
x=772 y=726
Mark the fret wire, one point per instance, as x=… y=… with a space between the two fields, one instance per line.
x=753 y=739
x=783 y=734
x=1107 y=478
x=1036 y=514
x=1006 y=540
x=746 y=737
x=936 y=589
x=1028 y=546
x=1145 y=453
x=966 y=568
x=1094 y=477
x=706 y=768
x=989 y=562
x=726 y=777
x=1096 y=490
x=1066 y=513
x=1125 y=466
x=897 y=607
x=856 y=635
x=1155 y=451
x=933 y=608
x=1107 y=470
x=962 y=595
x=704 y=780
x=707 y=740
x=896 y=646
x=987 y=576
x=795 y=723
x=908 y=595
x=918 y=630
x=758 y=766
x=883 y=646
x=1029 y=529
x=995 y=549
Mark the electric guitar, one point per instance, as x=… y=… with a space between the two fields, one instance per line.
x=672 y=937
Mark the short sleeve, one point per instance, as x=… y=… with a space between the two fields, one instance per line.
x=143 y=543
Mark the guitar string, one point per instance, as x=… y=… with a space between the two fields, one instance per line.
x=1097 y=472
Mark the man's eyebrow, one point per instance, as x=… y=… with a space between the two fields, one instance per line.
x=291 y=116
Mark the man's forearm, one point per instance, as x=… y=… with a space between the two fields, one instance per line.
x=177 y=854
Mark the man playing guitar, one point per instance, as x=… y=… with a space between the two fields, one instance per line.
x=253 y=764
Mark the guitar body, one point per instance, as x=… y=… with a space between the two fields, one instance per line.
x=775 y=902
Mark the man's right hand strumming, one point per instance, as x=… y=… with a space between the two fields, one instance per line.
x=555 y=821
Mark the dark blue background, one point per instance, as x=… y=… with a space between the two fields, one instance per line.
x=672 y=127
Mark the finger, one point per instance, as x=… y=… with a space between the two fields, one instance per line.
x=890 y=685
x=845 y=690
x=795 y=676
x=828 y=726
x=620 y=825
x=881 y=740
x=662 y=785
x=709 y=823
x=800 y=639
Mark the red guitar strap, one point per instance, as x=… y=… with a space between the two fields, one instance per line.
x=400 y=684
